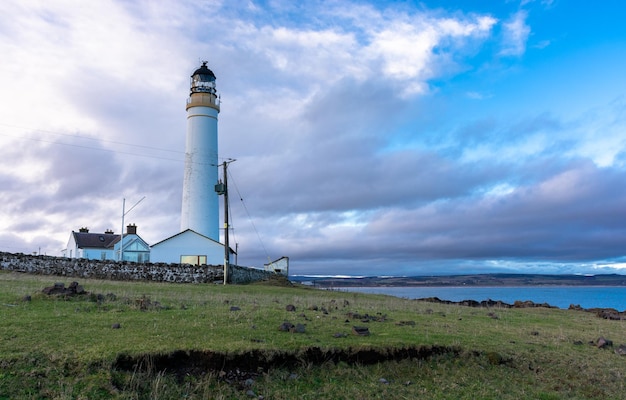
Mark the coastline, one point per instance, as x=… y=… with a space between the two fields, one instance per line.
x=473 y=280
x=562 y=297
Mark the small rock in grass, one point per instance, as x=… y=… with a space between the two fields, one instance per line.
x=235 y=308
x=116 y=326
x=290 y=307
x=27 y=298
x=339 y=335
x=383 y=381
x=286 y=326
x=250 y=393
x=360 y=330
x=602 y=343
x=621 y=350
x=248 y=382
x=299 y=328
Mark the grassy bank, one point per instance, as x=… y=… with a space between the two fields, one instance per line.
x=213 y=341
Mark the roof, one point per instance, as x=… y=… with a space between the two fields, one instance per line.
x=195 y=233
x=127 y=235
x=95 y=240
x=204 y=70
x=185 y=231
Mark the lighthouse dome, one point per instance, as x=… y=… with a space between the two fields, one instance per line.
x=203 y=80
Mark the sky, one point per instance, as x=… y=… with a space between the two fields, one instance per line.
x=370 y=137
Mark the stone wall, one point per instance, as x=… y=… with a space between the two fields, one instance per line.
x=127 y=271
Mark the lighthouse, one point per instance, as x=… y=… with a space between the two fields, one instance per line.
x=200 y=208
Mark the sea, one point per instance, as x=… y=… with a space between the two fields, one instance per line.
x=558 y=296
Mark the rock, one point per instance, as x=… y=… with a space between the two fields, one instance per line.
x=235 y=308
x=250 y=393
x=361 y=330
x=290 y=308
x=621 y=350
x=313 y=308
x=383 y=381
x=60 y=289
x=27 y=298
x=299 y=328
x=116 y=326
x=286 y=327
x=602 y=343
x=248 y=382
x=75 y=288
x=405 y=323
x=339 y=335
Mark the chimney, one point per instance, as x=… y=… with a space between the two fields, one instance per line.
x=83 y=230
x=109 y=232
x=131 y=229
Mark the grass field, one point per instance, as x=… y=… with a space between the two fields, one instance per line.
x=223 y=342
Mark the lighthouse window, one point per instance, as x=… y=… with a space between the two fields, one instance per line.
x=202 y=83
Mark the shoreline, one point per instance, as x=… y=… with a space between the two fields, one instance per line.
x=474 y=280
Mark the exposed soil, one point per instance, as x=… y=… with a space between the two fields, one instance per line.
x=197 y=363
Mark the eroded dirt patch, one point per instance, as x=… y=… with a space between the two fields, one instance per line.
x=197 y=363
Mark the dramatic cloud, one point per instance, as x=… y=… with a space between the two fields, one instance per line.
x=369 y=138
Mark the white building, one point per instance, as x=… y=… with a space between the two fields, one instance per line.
x=198 y=240
x=279 y=266
x=188 y=247
x=200 y=209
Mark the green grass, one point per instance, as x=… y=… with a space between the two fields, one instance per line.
x=66 y=348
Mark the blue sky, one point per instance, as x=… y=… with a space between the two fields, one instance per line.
x=404 y=138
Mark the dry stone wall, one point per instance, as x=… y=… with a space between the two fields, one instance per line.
x=128 y=271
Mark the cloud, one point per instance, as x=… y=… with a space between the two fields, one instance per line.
x=515 y=34
x=359 y=146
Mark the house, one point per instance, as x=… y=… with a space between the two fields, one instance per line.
x=106 y=246
x=189 y=247
x=279 y=266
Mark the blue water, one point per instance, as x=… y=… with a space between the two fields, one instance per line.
x=559 y=296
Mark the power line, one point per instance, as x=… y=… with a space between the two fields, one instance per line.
x=86 y=138
x=269 y=260
x=100 y=148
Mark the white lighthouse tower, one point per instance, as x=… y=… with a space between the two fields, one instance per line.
x=200 y=210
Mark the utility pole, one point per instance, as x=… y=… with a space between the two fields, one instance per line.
x=124 y=212
x=222 y=188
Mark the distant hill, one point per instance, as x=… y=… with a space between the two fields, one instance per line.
x=472 y=280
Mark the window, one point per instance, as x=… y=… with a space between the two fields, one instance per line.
x=193 y=260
